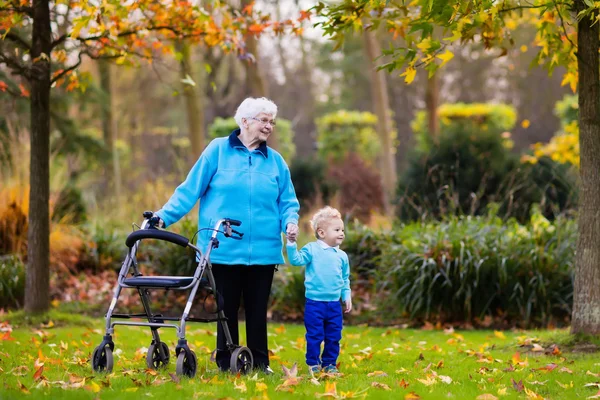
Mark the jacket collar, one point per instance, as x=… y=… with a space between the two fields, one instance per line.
x=325 y=246
x=234 y=141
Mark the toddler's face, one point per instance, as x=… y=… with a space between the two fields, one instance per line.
x=333 y=232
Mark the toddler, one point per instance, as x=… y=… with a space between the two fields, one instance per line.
x=327 y=280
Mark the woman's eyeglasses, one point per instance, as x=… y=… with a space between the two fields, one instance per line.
x=265 y=121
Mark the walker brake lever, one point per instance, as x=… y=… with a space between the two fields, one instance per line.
x=238 y=233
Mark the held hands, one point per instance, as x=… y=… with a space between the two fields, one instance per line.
x=348 y=306
x=291 y=233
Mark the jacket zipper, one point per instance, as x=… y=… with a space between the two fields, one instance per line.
x=250 y=219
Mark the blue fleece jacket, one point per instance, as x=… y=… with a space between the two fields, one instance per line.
x=327 y=274
x=254 y=187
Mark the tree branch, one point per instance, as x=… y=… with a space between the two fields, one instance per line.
x=15 y=38
x=562 y=23
x=59 y=41
x=19 y=9
x=66 y=71
x=14 y=64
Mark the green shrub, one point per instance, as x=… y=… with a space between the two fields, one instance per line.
x=12 y=281
x=467 y=268
x=222 y=127
x=309 y=177
x=469 y=165
x=70 y=205
x=287 y=293
x=343 y=132
x=550 y=184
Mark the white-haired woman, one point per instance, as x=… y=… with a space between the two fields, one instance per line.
x=240 y=177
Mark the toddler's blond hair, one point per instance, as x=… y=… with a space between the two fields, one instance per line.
x=321 y=217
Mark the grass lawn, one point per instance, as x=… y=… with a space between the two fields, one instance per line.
x=38 y=361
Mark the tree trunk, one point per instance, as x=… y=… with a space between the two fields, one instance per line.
x=586 y=296
x=193 y=107
x=37 y=282
x=109 y=128
x=384 y=122
x=431 y=102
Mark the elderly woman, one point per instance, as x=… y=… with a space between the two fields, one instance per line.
x=240 y=177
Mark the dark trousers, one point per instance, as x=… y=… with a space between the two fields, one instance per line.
x=253 y=284
x=323 y=321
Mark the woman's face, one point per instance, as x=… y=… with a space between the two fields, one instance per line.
x=261 y=126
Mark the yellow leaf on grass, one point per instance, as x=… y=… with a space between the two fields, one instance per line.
x=131 y=389
x=486 y=396
x=380 y=386
x=499 y=335
x=565 y=385
x=241 y=386
x=533 y=395
x=427 y=382
x=280 y=330
x=412 y=396
x=261 y=386
x=94 y=387
x=377 y=373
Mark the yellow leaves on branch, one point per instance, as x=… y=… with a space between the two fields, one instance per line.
x=409 y=74
x=570 y=78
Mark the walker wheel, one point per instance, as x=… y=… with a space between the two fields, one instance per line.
x=241 y=361
x=102 y=359
x=186 y=363
x=154 y=359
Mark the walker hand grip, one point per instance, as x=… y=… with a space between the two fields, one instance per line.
x=156 y=234
x=233 y=222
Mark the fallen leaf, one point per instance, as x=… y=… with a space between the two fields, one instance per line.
x=93 y=387
x=548 y=368
x=565 y=369
x=428 y=381
x=588 y=372
x=536 y=348
x=22 y=387
x=412 y=396
x=280 y=330
x=291 y=372
x=330 y=391
x=403 y=384
x=518 y=386
x=533 y=395
x=380 y=386
x=377 y=373
x=241 y=386
x=38 y=374
x=261 y=387
x=486 y=396
x=446 y=379
x=565 y=385
x=499 y=335
x=174 y=377
x=538 y=383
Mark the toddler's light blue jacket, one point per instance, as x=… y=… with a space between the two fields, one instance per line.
x=254 y=187
x=327 y=274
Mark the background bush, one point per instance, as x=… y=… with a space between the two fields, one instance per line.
x=12 y=281
x=343 y=132
x=469 y=165
x=465 y=269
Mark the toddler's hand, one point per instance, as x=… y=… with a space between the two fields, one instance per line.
x=348 y=304
x=291 y=232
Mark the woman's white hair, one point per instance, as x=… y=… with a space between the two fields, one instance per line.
x=321 y=217
x=251 y=107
